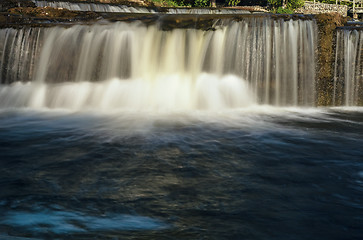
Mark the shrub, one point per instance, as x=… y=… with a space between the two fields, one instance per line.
x=201 y=3
x=281 y=10
x=290 y=5
x=294 y=4
x=233 y=3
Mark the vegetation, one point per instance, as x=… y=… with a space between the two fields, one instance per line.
x=165 y=3
x=201 y=3
x=350 y=4
x=194 y=3
x=281 y=10
x=285 y=6
x=233 y=3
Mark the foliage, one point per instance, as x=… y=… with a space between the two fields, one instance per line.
x=294 y=4
x=201 y=3
x=182 y=3
x=185 y=3
x=350 y=4
x=285 y=6
x=281 y=10
x=165 y=3
x=275 y=3
x=233 y=3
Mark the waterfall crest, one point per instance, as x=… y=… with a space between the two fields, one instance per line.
x=118 y=65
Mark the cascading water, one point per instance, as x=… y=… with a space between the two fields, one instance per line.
x=99 y=7
x=101 y=136
x=19 y=51
x=119 y=65
x=348 y=77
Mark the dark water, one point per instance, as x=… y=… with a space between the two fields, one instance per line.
x=265 y=173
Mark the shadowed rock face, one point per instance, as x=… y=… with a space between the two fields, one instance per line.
x=50 y=13
x=42 y=12
x=18 y=12
x=15 y=17
x=7 y=4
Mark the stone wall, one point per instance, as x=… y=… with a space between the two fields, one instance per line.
x=317 y=8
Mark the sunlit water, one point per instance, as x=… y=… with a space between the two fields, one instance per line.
x=250 y=173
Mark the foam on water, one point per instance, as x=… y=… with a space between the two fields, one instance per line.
x=111 y=126
x=166 y=93
x=57 y=221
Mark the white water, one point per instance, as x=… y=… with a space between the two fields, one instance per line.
x=131 y=66
x=348 y=76
x=99 y=7
x=169 y=93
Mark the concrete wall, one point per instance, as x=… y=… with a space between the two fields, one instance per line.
x=311 y=8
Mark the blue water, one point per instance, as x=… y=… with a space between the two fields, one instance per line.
x=262 y=173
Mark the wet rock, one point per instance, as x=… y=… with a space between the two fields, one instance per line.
x=42 y=12
x=7 y=4
x=327 y=24
x=38 y=16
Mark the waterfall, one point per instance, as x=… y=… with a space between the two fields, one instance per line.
x=19 y=49
x=134 y=66
x=102 y=7
x=348 y=76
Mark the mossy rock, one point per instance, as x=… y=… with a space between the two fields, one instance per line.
x=327 y=25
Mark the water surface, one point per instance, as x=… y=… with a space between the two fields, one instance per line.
x=250 y=173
